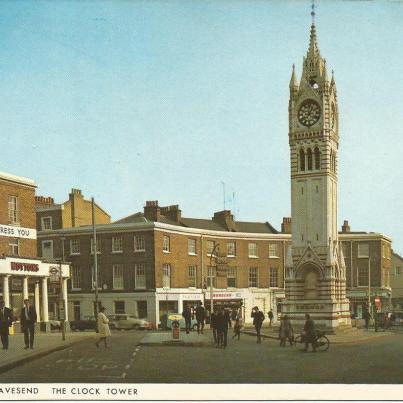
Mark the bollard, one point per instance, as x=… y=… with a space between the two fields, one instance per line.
x=175 y=330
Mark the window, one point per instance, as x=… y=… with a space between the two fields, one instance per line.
x=119 y=307
x=99 y=280
x=383 y=251
x=98 y=245
x=273 y=250
x=309 y=158
x=75 y=278
x=191 y=246
x=317 y=158
x=301 y=160
x=74 y=246
x=14 y=247
x=166 y=245
x=274 y=277
x=231 y=277
x=117 y=244
x=398 y=271
x=139 y=275
x=362 y=276
x=252 y=249
x=211 y=272
x=253 y=277
x=231 y=249
x=363 y=250
x=13 y=209
x=47 y=249
x=192 y=276
x=166 y=275
x=139 y=243
x=46 y=223
x=210 y=247
x=117 y=270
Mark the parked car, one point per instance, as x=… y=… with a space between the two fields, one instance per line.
x=54 y=324
x=87 y=322
x=127 y=321
x=181 y=320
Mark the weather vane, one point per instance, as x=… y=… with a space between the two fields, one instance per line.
x=313 y=11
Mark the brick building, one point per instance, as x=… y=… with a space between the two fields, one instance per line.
x=21 y=270
x=367 y=258
x=396 y=283
x=156 y=261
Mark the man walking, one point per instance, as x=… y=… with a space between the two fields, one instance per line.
x=6 y=320
x=200 y=316
x=367 y=317
x=187 y=315
x=258 y=318
x=28 y=320
x=310 y=333
x=270 y=316
x=213 y=326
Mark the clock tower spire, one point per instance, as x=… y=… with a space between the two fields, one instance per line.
x=315 y=281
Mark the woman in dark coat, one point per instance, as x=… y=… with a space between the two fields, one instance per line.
x=286 y=331
x=310 y=333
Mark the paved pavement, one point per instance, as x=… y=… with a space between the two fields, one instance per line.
x=44 y=343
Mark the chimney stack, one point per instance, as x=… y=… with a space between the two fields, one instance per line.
x=226 y=219
x=345 y=227
x=172 y=212
x=152 y=211
x=286 y=225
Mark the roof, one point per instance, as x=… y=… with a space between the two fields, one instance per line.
x=17 y=179
x=133 y=218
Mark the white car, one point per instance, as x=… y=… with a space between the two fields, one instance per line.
x=126 y=322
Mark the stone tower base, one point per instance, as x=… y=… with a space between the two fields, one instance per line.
x=327 y=314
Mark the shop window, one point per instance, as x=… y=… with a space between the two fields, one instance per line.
x=119 y=307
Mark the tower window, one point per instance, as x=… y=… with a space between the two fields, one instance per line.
x=302 y=191
x=317 y=189
x=301 y=160
x=317 y=158
x=309 y=153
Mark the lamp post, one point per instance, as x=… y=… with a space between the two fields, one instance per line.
x=216 y=247
x=369 y=286
x=94 y=240
x=61 y=299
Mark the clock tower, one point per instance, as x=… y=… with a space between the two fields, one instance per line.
x=315 y=271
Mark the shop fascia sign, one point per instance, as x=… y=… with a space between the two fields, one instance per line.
x=31 y=268
x=17 y=232
x=224 y=295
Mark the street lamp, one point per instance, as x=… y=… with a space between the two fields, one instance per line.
x=61 y=299
x=216 y=247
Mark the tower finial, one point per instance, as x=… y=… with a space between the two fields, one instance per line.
x=313 y=12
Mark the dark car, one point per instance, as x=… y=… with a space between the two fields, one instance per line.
x=85 y=323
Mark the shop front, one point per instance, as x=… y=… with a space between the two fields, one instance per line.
x=31 y=279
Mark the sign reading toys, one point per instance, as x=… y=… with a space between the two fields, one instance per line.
x=17 y=232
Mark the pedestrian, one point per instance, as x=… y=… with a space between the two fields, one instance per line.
x=367 y=316
x=213 y=326
x=286 y=331
x=270 y=316
x=28 y=320
x=187 y=315
x=200 y=317
x=6 y=320
x=238 y=326
x=103 y=327
x=223 y=320
x=310 y=333
x=258 y=318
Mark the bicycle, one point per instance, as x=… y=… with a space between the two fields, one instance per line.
x=322 y=342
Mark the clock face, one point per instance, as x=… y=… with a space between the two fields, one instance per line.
x=309 y=112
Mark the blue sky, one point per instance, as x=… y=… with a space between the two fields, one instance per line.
x=165 y=100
